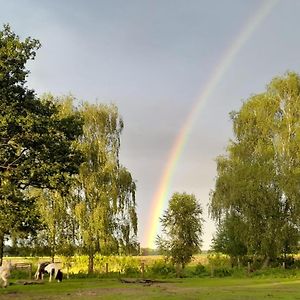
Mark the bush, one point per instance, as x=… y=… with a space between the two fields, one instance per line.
x=222 y=272
x=218 y=260
x=289 y=262
x=128 y=265
x=296 y=264
x=200 y=271
x=19 y=274
x=275 y=273
x=162 y=268
x=132 y=271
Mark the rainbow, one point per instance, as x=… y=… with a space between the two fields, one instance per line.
x=161 y=195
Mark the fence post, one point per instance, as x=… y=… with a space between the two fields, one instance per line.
x=30 y=271
x=68 y=269
x=212 y=271
x=249 y=267
x=143 y=269
x=106 y=268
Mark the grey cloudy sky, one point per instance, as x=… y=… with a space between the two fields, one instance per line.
x=152 y=58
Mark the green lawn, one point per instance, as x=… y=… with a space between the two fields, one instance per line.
x=190 y=288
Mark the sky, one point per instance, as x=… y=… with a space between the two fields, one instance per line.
x=153 y=58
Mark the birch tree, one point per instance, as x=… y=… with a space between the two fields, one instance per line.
x=258 y=179
x=105 y=208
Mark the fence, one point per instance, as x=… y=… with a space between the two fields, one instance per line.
x=24 y=266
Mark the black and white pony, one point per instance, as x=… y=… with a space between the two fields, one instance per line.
x=5 y=272
x=48 y=268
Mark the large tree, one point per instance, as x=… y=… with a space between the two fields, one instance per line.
x=105 y=191
x=35 y=142
x=182 y=229
x=258 y=179
x=56 y=206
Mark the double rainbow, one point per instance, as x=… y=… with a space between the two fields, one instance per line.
x=161 y=195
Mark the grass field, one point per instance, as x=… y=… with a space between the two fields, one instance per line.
x=188 y=288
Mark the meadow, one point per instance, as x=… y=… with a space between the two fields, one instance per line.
x=126 y=281
x=187 y=288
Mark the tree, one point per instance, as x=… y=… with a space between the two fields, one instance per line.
x=55 y=206
x=105 y=191
x=182 y=229
x=35 y=142
x=229 y=238
x=56 y=232
x=258 y=179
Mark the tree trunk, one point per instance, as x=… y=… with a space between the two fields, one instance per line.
x=266 y=262
x=91 y=263
x=177 y=266
x=1 y=247
x=52 y=249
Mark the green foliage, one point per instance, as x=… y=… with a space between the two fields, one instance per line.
x=200 y=270
x=275 y=273
x=257 y=183
x=104 y=194
x=128 y=265
x=218 y=260
x=222 y=272
x=132 y=271
x=19 y=274
x=162 y=268
x=228 y=237
x=97 y=214
x=182 y=228
x=118 y=265
x=220 y=265
x=35 y=142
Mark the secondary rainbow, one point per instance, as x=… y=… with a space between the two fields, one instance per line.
x=161 y=195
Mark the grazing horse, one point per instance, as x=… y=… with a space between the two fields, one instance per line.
x=5 y=272
x=48 y=268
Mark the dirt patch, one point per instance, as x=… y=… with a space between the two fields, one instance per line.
x=144 y=281
x=131 y=289
x=106 y=291
x=28 y=282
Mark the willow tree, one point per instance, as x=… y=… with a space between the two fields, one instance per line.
x=258 y=179
x=105 y=208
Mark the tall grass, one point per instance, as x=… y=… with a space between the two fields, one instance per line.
x=211 y=265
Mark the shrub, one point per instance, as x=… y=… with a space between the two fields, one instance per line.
x=275 y=273
x=131 y=271
x=222 y=272
x=289 y=262
x=163 y=268
x=218 y=260
x=128 y=265
x=296 y=264
x=19 y=274
x=200 y=270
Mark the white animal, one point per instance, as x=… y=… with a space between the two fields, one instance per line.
x=49 y=268
x=5 y=272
